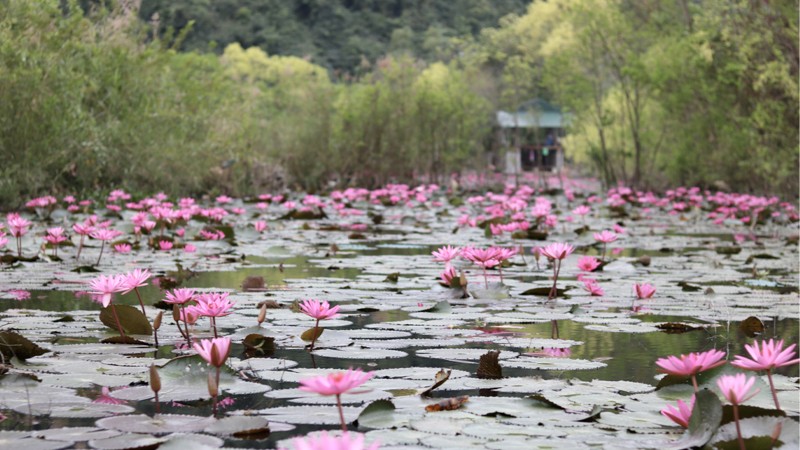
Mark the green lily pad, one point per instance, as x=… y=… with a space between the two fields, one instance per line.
x=131 y=319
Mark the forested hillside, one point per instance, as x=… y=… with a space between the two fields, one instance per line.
x=336 y=34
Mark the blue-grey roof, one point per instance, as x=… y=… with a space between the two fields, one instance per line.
x=536 y=113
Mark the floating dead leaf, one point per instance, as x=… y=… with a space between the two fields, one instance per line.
x=489 y=367
x=439 y=379
x=270 y=304
x=448 y=404
x=131 y=319
x=686 y=287
x=392 y=277
x=253 y=283
x=581 y=230
x=644 y=260
x=675 y=327
x=312 y=334
x=13 y=344
x=728 y=250
x=356 y=235
x=125 y=340
x=308 y=214
x=543 y=292
x=536 y=235
x=752 y=326
x=84 y=269
x=764 y=256
x=258 y=346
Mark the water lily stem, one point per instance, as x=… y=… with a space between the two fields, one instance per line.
x=694 y=383
x=116 y=317
x=186 y=325
x=214 y=327
x=556 y=270
x=136 y=289
x=738 y=427
x=314 y=339
x=341 y=412
x=80 y=247
x=102 y=246
x=772 y=388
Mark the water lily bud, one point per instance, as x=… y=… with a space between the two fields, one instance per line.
x=155 y=379
x=213 y=389
x=157 y=320
x=262 y=314
x=176 y=313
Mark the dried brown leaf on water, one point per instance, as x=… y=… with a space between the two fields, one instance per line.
x=675 y=327
x=448 y=404
x=488 y=367
x=439 y=379
x=752 y=326
x=13 y=344
x=253 y=283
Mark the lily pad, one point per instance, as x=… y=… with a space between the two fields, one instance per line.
x=131 y=319
x=158 y=424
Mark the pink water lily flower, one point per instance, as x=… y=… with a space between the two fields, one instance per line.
x=136 y=279
x=644 y=290
x=736 y=388
x=593 y=288
x=446 y=254
x=336 y=383
x=557 y=250
x=104 y=286
x=325 y=441
x=588 y=263
x=681 y=414
x=213 y=305
x=605 y=236
x=179 y=296
x=448 y=275
x=320 y=310
x=769 y=355
x=214 y=351
x=122 y=248
x=106 y=398
x=692 y=364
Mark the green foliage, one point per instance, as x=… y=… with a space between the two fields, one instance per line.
x=336 y=34
x=87 y=103
x=663 y=92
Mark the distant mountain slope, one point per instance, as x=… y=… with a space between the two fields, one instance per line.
x=334 y=33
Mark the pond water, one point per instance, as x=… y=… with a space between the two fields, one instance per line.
x=560 y=359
